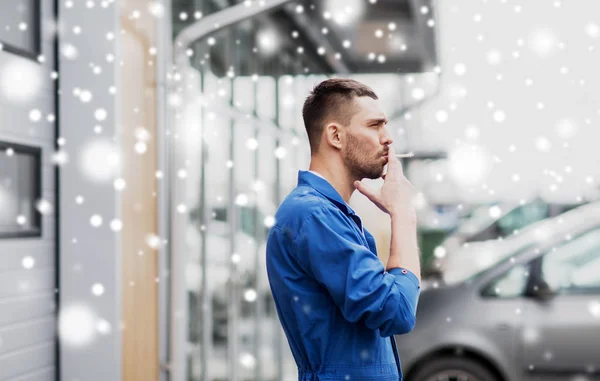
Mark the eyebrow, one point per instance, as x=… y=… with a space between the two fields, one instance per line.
x=377 y=120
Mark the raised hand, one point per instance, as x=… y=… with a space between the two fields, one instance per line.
x=396 y=196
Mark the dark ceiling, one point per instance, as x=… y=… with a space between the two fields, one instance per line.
x=405 y=40
x=390 y=36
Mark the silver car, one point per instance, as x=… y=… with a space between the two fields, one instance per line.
x=533 y=315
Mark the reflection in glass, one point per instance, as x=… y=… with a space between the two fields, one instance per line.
x=245 y=141
x=573 y=267
x=509 y=285
x=20 y=26
x=19 y=191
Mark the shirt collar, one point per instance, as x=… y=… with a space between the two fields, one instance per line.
x=318 y=174
x=321 y=185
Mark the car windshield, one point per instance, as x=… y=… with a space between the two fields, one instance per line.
x=579 y=252
x=509 y=217
x=478 y=219
x=476 y=271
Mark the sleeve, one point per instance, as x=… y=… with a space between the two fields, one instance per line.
x=355 y=277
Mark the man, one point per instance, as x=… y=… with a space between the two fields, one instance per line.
x=338 y=305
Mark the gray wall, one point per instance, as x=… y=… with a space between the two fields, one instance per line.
x=27 y=297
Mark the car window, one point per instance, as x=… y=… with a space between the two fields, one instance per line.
x=510 y=284
x=574 y=267
x=522 y=216
x=516 y=219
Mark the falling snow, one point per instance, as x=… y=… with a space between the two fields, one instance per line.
x=516 y=113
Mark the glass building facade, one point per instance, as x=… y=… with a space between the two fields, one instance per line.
x=239 y=142
x=246 y=134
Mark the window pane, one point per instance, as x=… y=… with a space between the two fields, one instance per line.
x=18 y=24
x=573 y=267
x=19 y=186
x=522 y=216
x=511 y=284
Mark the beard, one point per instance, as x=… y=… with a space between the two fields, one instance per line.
x=360 y=163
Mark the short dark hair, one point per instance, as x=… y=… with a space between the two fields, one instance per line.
x=331 y=99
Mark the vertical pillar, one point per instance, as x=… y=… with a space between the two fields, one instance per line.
x=88 y=103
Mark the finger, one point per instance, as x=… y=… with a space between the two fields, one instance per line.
x=362 y=188
x=399 y=166
x=391 y=157
x=391 y=152
x=393 y=163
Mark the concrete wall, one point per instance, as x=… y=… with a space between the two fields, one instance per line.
x=28 y=265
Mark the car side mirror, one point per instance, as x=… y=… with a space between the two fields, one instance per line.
x=542 y=291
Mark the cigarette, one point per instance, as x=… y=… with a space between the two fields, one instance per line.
x=405 y=155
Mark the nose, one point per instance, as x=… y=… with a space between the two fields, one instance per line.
x=386 y=138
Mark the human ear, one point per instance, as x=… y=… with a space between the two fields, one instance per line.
x=334 y=135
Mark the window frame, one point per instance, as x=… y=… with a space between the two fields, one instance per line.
x=36 y=152
x=36 y=29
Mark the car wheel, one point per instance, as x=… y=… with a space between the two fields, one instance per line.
x=453 y=369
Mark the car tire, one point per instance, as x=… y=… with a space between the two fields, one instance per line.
x=452 y=368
